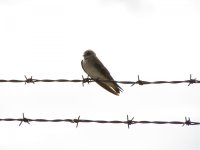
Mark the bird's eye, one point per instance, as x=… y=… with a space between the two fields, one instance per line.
x=88 y=53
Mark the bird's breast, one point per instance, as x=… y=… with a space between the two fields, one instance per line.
x=92 y=70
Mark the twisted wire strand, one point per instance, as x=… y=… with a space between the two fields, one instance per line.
x=89 y=80
x=78 y=121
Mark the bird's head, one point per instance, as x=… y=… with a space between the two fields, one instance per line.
x=88 y=53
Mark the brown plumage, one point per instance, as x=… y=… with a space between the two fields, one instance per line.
x=97 y=71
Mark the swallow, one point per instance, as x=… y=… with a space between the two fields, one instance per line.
x=98 y=72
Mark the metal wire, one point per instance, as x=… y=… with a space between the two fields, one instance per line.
x=89 y=80
x=128 y=121
x=77 y=121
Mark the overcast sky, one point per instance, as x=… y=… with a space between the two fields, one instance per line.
x=156 y=39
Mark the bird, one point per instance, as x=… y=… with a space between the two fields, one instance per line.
x=98 y=72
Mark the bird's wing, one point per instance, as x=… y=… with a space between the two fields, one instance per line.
x=109 y=87
x=112 y=87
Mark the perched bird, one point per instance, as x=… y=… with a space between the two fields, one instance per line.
x=97 y=71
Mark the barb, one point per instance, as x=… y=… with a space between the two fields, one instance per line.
x=77 y=121
x=89 y=80
x=128 y=122
x=29 y=80
x=191 y=81
x=24 y=120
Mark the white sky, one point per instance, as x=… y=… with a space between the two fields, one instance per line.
x=157 y=39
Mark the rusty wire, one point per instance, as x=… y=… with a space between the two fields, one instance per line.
x=89 y=80
x=77 y=121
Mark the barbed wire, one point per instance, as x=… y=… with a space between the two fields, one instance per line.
x=77 y=121
x=89 y=80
